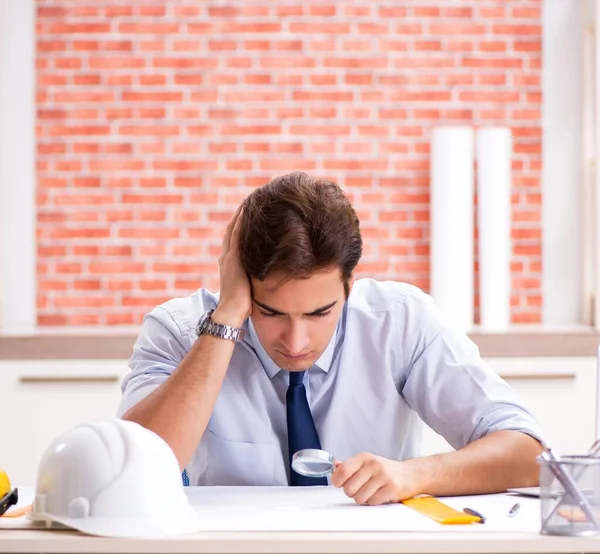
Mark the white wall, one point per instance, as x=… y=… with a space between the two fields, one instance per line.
x=17 y=166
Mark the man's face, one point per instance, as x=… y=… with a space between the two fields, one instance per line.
x=295 y=320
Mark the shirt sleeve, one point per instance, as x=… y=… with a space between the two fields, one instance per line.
x=449 y=385
x=158 y=350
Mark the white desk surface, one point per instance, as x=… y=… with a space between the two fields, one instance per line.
x=316 y=520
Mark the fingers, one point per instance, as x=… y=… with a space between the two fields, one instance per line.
x=365 y=495
x=345 y=470
x=383 y=495
x=230 y=228
x=365 y=479
x=357 y=482
x=235 y=234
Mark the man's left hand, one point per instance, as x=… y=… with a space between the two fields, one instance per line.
x=374 y=480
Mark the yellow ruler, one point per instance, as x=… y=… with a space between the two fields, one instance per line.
x=438 y=511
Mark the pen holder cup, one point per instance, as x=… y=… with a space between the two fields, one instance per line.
x=570 y=496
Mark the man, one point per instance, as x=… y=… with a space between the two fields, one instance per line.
x=297 y=354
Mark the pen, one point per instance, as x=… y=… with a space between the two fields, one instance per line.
x=514 y=510
x=472 y=512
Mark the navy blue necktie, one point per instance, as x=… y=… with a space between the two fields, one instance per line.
x=301 y=428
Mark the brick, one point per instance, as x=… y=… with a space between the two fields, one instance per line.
x=491 y=79
x=116 y=63
x=78 y=28
x=119 y=80
x=392 y=12
x=51 y=319
x=250 y=130
x=285 y=165
x=178 y=268
x=119 y=216
x=492 y=46
x=492 y=12
x=48 y=149
x=358 y=45
x=517 y=30
x=79 y=233
x=323 y=80
x=149 y=130
x=452 y=29
x=288 y=11
x=457 y=11
x=526 y=12
x=87 y=96
x=116 y=165
x=287 y=62
x=116 y=268
x=288 y=45
x=323 y=96
x=323 y=45
x=255 y=96
x=46 y=285
x=500 y=96
x=87 y=250
x=528 y=46
x=87 y=284
x=186 y=63
x=319 y=130
x=357 y=11
x=355 y=165
x=149 y=28
x=52 y=45
x=505 y=63
x=425 y=96
x=152 y=46
x=234 y=27
x=428 y=62
x=145 y=233
x=371 y=63
x=428 y=46
x=318 y=27
x=189 y=79
x=117 y=45
x=163 y=96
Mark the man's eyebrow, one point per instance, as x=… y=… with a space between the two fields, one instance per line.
x=277 y=312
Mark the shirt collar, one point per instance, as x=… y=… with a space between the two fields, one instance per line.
x=323 y=363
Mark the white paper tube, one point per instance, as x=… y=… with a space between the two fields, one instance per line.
x=452 y=214
x=494 y=153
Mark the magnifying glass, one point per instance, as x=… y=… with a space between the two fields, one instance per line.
x=312 y=462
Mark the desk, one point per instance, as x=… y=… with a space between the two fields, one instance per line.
x=296 y=520
x=299 y=543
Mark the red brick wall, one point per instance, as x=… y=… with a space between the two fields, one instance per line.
x=156 y=118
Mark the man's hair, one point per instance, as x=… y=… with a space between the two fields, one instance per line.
x=296 y=225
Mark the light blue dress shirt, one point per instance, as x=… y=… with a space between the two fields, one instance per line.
x=392 y=363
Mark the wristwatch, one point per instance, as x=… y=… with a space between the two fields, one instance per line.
x=206 y=326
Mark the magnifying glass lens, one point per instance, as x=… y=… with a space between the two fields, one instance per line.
x=313 y=463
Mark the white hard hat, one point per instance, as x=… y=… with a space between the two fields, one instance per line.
x=113 y=478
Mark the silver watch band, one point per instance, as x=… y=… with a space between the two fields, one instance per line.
x=206 y=326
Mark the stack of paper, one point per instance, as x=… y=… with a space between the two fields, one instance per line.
x=329 y=509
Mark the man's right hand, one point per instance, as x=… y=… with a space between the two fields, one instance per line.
x=235 y=300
